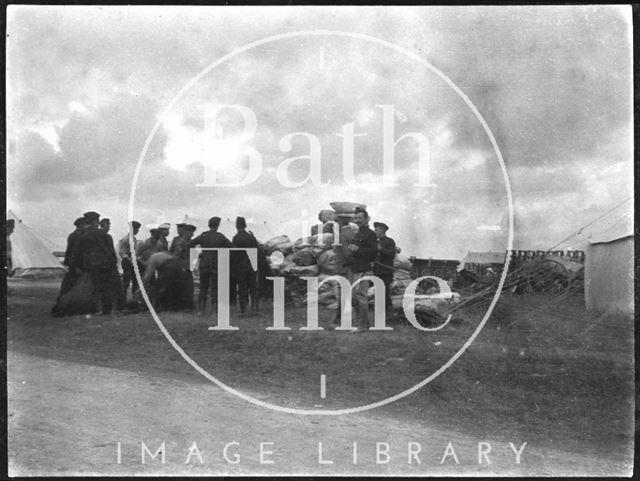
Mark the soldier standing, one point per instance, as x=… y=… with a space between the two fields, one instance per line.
x=164 y=233
x=241 y=266
x=383 y=267
x=209 y=263
x=71 y=275
x=181 y=248
x=180 y=229
x=124 y=250
x=105 y=225
x=363 y=248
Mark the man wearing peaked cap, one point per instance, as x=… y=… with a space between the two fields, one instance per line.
x=71 y=276
x=105 y=224
x=180 y=231
x=363 y=250
x=208 y=263
x=241 y=268
x=126 y=261
x=91 y=217
x=72 y=239
x=180 y=249
x=214 y=222
x=383 y=265
x=382 y=225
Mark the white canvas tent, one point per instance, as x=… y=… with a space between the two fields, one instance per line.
x=609 y=272
x=29 y=255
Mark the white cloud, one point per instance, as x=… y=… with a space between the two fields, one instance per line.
x=554 y=85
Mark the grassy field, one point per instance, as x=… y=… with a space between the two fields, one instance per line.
x=548 y=374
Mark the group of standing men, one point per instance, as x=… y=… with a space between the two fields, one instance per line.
x=90 y=251
x=165 y=269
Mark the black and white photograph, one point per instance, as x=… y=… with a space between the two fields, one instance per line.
x=320 y=240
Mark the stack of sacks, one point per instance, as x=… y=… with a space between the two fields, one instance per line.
x=401 y=270
x=281 y=243
x=276 y=250
x=324 y=216
x=325 y=296
x=315 y=254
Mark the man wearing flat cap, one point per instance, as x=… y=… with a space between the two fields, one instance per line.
x=208 y=265
x=383 y=265
x=241 y=267
x=126 y=261
x=95 y=254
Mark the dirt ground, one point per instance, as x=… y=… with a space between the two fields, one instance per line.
x=81 y=389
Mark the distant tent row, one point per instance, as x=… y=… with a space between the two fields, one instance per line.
x=30 y=257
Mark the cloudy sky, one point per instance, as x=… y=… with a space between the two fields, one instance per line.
x=86 y=86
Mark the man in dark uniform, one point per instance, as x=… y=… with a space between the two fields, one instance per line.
x=72 y=239
x=124 y=250
x=164 y=233
x=363 y=248
x=383 y=266
x=241 y=267
x=180 y=229
x=105 y=225
x=71 y=275
x=180 y=248
x=209 y=263
x=95 y=254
